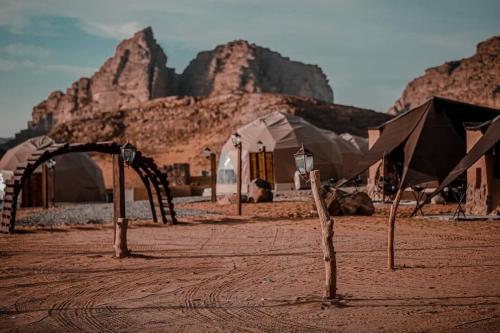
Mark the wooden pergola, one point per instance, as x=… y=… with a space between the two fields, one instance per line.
x=151 y=175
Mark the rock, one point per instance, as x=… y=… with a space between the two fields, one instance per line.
x=240 y=66
x=189 y=124
x=136 y=73
x=260 y=191
x=473 y=80
x=339 y=202
x=231 y=199
x=438 y=199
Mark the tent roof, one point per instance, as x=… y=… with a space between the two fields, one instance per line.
x=19 y=154
x=432 y=136
x=490 y=138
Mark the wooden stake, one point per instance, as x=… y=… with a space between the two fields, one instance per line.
x=118 y=192
x=121 y=249
x=45 y=186
x=390 y=233
x=327 y=237
x=213 y=176
x=238 y=185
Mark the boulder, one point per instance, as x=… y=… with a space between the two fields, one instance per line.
x=260 y=191
x=438 y=199
x=230 y=199
x=339 y=202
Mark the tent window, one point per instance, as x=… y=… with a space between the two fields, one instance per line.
x=226 y=173
x=478 y=178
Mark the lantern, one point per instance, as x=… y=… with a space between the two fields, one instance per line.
x=260 y=146
x=236 y=139
x=128 y=153
x=304 y=161
x=51 y=163
x=207 y=152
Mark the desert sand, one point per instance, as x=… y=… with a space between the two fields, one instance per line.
x=262 y=272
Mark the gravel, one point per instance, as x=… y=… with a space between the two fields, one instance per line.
x=99 y=213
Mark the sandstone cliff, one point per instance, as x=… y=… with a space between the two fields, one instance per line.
x=474 y=80
x=179 y=127
x=137 y=73
x=241 y=67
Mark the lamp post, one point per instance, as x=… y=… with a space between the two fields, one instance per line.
x=209 y=154
x=304 y=162
x=128 y=152
x=51 y=164
x=236 y=139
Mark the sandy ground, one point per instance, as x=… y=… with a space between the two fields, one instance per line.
x=262 y=272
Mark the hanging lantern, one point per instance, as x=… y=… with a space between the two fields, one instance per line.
x=260 y=146
x=207 y=152
x=304 y=161
x=128 y=153
x=236 y=139
x=51 y=163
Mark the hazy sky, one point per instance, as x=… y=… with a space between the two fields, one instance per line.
x=368 y=49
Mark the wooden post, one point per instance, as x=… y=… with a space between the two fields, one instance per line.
x=45 y=186
x=118 y=192
x=213 y=176
x=238 y=185
x=120 y=246
x=390 y=233
x=327 y=237
x=53 y=186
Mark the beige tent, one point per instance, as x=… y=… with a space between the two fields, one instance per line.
x=78 y=178
x=282 y=135
x=351 y=147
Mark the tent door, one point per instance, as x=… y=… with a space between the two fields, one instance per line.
x=261 y=166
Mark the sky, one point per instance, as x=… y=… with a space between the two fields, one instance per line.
x=369 y=49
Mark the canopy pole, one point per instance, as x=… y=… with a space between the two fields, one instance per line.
x=390 y=233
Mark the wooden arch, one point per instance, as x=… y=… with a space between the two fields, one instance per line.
x=146 y=168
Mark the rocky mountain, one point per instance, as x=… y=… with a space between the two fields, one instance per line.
x=241 y=67
x=474 y=80
x=137 y=72
x=179 y=127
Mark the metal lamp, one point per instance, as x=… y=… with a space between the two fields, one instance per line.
x=260 y=146
x=128 y=152
x=51 y=163
x=207 y=152
x=304 y=161
x=236 y=139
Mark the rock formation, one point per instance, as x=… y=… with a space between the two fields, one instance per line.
x=473 y=80
x=181 y=127
x=241 y=67
x=137 y=73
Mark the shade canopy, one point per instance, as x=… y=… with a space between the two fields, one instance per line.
x=490 y=138
x=78 y=178
x=431 y=138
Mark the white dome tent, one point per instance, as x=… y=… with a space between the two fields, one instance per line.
x=282 y=134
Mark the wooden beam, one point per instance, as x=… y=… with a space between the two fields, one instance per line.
x=118 y=191
x=213 y=176
x=45 y=186
x=327 y=237
x=390 y=231
x=238 y=185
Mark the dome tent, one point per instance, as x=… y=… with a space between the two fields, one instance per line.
x=282 y=134
x=77 y=176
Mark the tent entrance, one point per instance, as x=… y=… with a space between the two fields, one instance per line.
x=261 y=166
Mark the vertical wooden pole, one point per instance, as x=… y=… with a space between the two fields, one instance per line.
x=118 y=191
x=45 y=186
x=265 y=164
x=327 y=237
x=390 y=232
x=213 y=175
x=53 y=187
x=238 y=185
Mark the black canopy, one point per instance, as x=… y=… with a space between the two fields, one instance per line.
x=432 y=137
